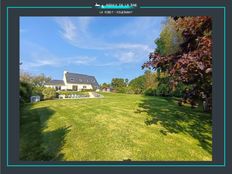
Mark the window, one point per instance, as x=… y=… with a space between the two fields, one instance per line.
x=84 y=87
x=72 y=79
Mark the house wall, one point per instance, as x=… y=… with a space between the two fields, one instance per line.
x=88 y=86
x=54 y=86
x=79 y=86
x=63 y=87
x=50 y=86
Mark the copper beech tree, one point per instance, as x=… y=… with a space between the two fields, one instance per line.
x=192 y=63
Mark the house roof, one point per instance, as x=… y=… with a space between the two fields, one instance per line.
x=55 y=82
x=81 y=79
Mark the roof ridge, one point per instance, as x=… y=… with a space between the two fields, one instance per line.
x=80 y=74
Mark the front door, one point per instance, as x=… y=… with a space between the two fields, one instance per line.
x=74 y=87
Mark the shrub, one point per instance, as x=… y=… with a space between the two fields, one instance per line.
x=163 y=90
x=150 y=92
x=180 y=89
x=137 y=85
x=87 y=90
x=25 y=91
x=38 y=90
x=129 y=90
x=49 y=93
x=121 y=90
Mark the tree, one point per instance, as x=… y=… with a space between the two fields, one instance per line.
x=170 y=39
x=105 y=85
x=137 y=85
x=40 y=80
x=192 y=63
x=34 y=80
x=151 y=79
x=118 y=84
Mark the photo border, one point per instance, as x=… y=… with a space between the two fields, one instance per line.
x=113 y=165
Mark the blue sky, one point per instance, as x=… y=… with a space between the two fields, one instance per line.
x=105 y=47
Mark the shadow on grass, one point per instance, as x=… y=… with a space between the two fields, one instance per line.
x=36 y=144
x=176 y=119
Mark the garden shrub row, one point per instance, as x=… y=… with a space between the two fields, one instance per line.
x=26 y=91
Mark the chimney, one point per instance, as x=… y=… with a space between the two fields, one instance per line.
x=64 y=78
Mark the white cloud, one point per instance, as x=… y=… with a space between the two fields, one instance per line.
x=76 y=32
x=127 y=57
x=142 y=26
x=113 y=63
x=83 y=60
x=37 y=56
x=68 y=29
x=84 y=23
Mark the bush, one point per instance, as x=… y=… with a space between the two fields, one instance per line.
x=38 y=90
x=25 y=91
x=137 y=85
x=121 y=89
x=129 y=90
x=180 y=89
x=150 y=92
x=87 y=90
x=163 y=90
x=49 y=93
x=70 y=92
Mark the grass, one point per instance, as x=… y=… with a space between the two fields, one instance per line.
x=115 y=128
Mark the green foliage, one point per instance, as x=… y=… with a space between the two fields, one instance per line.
x=34 y=80
x=25 y=91
x=160 y=47
x=150 y=92
x=163 y=90
x=137 y=85
x=49 y=93
x=104 y=85
x=187 y=60
x=121 y=89
x=170 y=39
x=38 y=90
x=87 y=90
x=151 y=79
x=164 y=87
x=118 y=84
x=180 y=89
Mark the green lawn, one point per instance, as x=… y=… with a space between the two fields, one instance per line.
x=116 y=127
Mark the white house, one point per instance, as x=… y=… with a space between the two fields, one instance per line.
x=74 y=82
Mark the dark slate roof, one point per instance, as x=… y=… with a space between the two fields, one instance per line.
x=55 y=82
x=81 y=79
